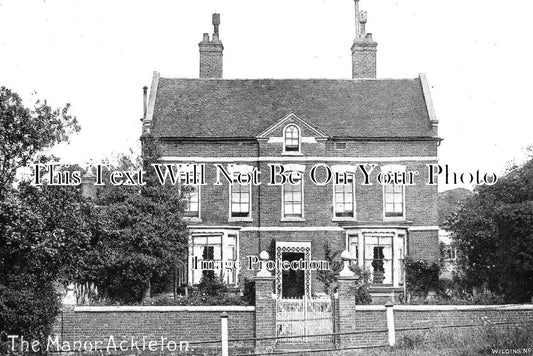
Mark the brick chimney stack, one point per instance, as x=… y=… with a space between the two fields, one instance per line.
x=364 y=48
x=211 y=53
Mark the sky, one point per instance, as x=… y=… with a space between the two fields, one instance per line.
x=98 y=54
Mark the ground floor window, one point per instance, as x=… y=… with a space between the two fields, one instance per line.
x=381 y=252
x=216 y=252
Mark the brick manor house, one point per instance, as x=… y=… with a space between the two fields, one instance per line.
x=250 y=124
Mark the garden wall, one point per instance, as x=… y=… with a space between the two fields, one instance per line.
x=158 y=329
x=456 y=317
x=134 y=327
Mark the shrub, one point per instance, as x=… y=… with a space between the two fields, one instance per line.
x=212 y=285
x=195 y=299
x=329 y=278
x=362 y=295
x=28 y=306
x=421 y=277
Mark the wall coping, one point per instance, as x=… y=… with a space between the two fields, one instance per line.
x=157 y=309
x=445 y=307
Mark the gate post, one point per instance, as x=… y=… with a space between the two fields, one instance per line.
x=390 y=323
x=224 y=333
x=265 y=308
x=346 y=301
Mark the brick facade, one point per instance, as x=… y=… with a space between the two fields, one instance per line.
x=319 y=224
x=334 y=123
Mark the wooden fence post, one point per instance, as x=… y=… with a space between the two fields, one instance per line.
x=390 y=323
x=224 y=331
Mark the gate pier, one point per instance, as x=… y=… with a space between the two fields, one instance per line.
x=279 y=319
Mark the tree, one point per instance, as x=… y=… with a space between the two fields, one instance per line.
x=26 y=132
x=146 y=237
x=45 y=236
x=493 y=233
x=44 y=231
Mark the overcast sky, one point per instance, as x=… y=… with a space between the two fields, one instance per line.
x=98 y=54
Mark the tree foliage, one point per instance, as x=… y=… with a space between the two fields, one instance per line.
x=26 y=132
x=44 y=231
x=421 y=276
x=45 y=235
x=145 y=237
x=493 y=233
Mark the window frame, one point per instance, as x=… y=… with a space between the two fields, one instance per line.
x=393 y=217
x=240 y=218
x=293 y=217
x=354 y=206
x=225 y=236
x=399 y=239
x=393 y=168
x=198 y=217
x=299 y=132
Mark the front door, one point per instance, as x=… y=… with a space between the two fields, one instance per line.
x=293 y=281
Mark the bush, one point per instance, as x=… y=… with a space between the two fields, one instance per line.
x=212 y=285
x=362 y=295
x=195 y=299
x=28 y=306
x=210 y=291
x=421 y=277
x=329 y=278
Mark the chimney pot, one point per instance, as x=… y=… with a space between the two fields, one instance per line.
x=211 y=53
x=145 y=101
x=364 y=48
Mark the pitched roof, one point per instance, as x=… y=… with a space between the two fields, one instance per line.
x=214 y=108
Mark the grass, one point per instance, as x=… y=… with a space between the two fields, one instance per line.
x=511 y=339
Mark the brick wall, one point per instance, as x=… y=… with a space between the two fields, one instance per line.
x=359 y=326
x=424 y=245
x=176 y=324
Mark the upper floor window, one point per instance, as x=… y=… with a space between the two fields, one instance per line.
x=394 y=200
x=240 y=200
x=344 y=198
x=291 y=139
x=191 y=198
x=293 y=200
x=394 y=193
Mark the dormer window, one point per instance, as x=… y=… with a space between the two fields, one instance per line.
x=291 y=139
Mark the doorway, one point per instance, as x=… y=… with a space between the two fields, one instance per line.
x=293 y=281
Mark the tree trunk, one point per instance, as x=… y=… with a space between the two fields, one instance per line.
x=148 y=290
